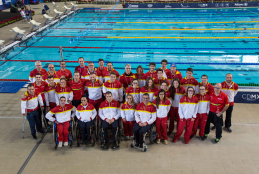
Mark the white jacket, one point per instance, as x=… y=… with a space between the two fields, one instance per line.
x=145 y=114
x=128 y=112
x=30 y=102
x=109 y=110
x=62 y=114
x=163 y=109
x=86 y=113
x=188 y=107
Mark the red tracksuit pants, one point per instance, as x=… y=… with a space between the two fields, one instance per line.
x=161 y=128
x=201 y=120
x=173 y=113
x=96 y=104
x=128 y=127
x=188 y=130
x=62 y=130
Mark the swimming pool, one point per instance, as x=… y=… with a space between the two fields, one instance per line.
x=211 y=41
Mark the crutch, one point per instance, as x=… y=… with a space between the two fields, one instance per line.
x=23 y=124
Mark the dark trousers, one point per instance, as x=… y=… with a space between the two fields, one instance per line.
x=33 y=119
x=217 y=122
x=76 y=103
x=139 y=132
x=228 y=116
x=88 y=126
x=105 y=126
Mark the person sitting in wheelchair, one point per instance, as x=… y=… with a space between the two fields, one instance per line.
x=85 y=113
x=109 y=112
x=145 y=116
x=62 y=117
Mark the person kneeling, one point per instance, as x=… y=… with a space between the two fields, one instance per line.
x=145 y=115
x=85 y=113
x=63 y=115
x=109 y=112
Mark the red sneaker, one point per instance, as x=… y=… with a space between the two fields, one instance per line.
x=186 y=142
x=174 y=140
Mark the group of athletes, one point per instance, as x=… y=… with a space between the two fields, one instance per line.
x=140 y=99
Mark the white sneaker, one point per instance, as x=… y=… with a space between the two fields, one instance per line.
x=60 y=144
x=127 y=137
x=131 y=137
x=158 y=141
x=65 y=143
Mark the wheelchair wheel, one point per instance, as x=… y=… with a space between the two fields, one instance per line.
x=152 y=134
x=78 y=135
x=145 y=149
x=96 y=129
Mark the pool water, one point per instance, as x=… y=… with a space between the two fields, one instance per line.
x=211 y=41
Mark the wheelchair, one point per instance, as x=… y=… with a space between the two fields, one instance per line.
x=93 y=133
x=118 y=133
x=151 y=133
x=70 y=134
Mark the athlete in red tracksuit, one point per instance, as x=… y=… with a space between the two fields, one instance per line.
x=203 y=112
x=140 y=76
x=64 y=72
x=149 y=88
x=106 y=74
x=49 y=94
x=38 y=69
x=127 y=77
x=188 y=109
x=51 y=72
x=101 y=67
x=176 y=91
x=63 y=90
x=162 y=105
x=82 y=67
x=160 y=78
x=208 y=87
x=189 y=80
x=171 y=75
x=128 y=116
x=91 y=69
x=62 y=117
x=134 y=90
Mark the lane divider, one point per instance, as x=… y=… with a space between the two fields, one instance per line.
x=188 y=22
x=175 y=29
x=170 y=17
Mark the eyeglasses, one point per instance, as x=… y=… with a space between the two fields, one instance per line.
x=51 y=67
x=202 y=89
x=190 y=90
x=135 y=83
x=145 y=98
x=216 y=88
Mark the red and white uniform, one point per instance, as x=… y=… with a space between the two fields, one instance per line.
x=102 y=70
x=202 y=114
x=135 y=92
x=126 y=80
x=67 y=73
x=55 y=75
x=128 y=112
x=34 y=72
x=141 y=79
x=40 y=89
x=81 y=69
x=171 y=76
x=158 y=82
x=217 y=103
x=86 y=113
x=174 y=107
x=188 y=109
x=109 y=110
x=167 y=95
x=115 y=88
x=154 y=75
x=151 y=93
x=50 y=96
x=106 y=75
x=161 y=118
x=145 y=114
x=208 y=88
x=77 y=88
x=62 y=116
x=86 y=75
x=231 y=91
x=190 y=82
x=63 y=92
x=31 y=102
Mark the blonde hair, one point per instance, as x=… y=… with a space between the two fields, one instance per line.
x=133 y=102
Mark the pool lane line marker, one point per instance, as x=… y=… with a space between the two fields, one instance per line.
x=199 y=29
x=188 y=22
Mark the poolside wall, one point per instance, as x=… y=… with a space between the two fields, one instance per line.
x=193 y=5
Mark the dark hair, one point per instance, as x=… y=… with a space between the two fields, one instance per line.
x=159 y=70
x=188 y=89
x=172 y=88
x=50 y=77
x=90 y=62
x=164 y=60
x=62 y=78
x=146 y=85
x=91 y=73
x=22 y=8
x=133 y=80
x=84 y=97
x=62 y=61
x=112 y=73
x=30 y=85
x=158 y=98
x=204 y=75
x=76 y=72
x=110 y=63
x=81 y=58
x=164 y=81
x=152 y=63
x=38 y=74
x=62 y=97
x=190 y=69
x=146 y=94
x=202 y=86
x=140 y=68
x=108 y=92
x=100 y=60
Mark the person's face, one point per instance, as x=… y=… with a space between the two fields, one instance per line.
x=164 y=86
x=38 y=66
x=139 y=70
x=51 y=68
x=38 y=78
x=101 y=63
x=112 y=78
x=110 y=67
x=76 y=76
x=51 y=81
x=152 y=68
x=31 y=90
x=93 y=77
x=161 y=95
x=188 y=74
x=145 y=98
x=173 y=69
x=190 y=92
x=63 y=65
x=81 y=62
x=229 y=78
x=63 y=83
x=204 y=79
x=108 y=97
x=160 y=74
x=91 y=67
x=164 y=64
x=128 y=69
x=176 y=84
x=150 y=83
x=202 y=90
x=135 y=84
x=217 y=88
x=84 y=101
x=62 y=101
x=129 y=99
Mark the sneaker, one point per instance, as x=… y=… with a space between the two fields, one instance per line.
x=137 y=145
x=49 y=126
x=216 y=141
x=39 y=132
x=65 y=143
x=186 y=141
x=227 y=129
x=174 y=140
x=141 y=146
x=127 y=137
x=213 y=128
x=202 y=138
x=158 y=141
x=169 y=133
x=206 y=136
x=105 y=146
x=166 y=142
x=131 y=137
x=60 y=144
x=115 y=146
x=191 y=137
x=34 y=137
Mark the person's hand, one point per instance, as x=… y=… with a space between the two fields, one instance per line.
x=192 y=119
x=219 y=114
x=57 y=122
x=140 y=124
x=144 y=124
x=124 y=119
x=23 y=96
x=48 y=108
x=112 y=120
x=100 y=82
x=69 y=102
x=108 y=121
x=42 y=108
x=24 y=114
